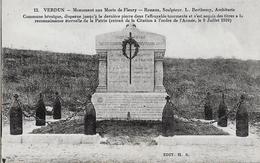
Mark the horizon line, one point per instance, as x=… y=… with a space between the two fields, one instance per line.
x=76 y=53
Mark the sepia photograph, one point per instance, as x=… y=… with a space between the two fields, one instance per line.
x=130 y=81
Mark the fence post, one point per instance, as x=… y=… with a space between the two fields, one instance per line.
x=242 y=118
x=222 y=112
x=57 y=107
x=40 y=112
x=168 y=118
x=89 y=118
x=16 y=117
x=208 y=108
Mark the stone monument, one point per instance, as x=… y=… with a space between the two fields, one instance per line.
x=130 y=75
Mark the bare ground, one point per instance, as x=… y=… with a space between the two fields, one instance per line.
x=129 y=132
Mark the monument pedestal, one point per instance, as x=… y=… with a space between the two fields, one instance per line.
x=141 y=106
x=130 y=75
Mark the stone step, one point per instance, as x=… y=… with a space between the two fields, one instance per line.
x=207 y=140
x=76 y=139
x=52 y=139
x=141 y=106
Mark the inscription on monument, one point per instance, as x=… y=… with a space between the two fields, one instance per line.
x=142 y=72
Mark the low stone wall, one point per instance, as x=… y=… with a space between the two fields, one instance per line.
x=207 y=140
x=53 y=139
x=97 y=139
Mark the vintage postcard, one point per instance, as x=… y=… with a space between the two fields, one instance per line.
x=130 y=81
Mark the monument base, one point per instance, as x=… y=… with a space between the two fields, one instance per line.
x=122 y=106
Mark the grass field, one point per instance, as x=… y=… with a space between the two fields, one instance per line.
x=29 y=72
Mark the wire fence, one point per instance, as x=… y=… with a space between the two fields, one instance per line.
x=179 y=115
x=178 y=112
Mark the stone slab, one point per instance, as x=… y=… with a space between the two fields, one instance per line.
x=187 y=140
x=17 y=139
x=207 y=140
x=52 y=139
x=141 y=106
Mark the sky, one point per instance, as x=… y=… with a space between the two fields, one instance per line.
x=239 y=39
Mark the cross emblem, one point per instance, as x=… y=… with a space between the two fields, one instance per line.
x=131 y=41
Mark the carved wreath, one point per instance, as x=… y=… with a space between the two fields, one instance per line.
x=130 y=41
